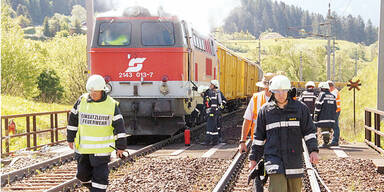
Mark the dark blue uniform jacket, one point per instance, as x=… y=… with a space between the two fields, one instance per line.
x=279 y=135
x=308 y=97
x=325 y=110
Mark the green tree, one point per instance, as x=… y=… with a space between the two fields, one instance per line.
x=18 y=71
x=23 y=21
x=49 y=85
x=371 y=33
x=23 y=10
x=78 y=13
x=69 y=54
x=257 y=16
x=46 y=30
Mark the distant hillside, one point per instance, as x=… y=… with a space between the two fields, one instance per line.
x=283 y=54
x=257 y=16
x=37 y=10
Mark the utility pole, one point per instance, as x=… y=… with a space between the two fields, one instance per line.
x=334 y=53
x=356 y=63
x=380 y=65
x=90 y=10
x=259 y=51
x=340 y=72
x=329 y=42
x=301 y=66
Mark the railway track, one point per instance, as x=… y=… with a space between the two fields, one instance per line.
x=234 y=170
x=59 y=174
x=236 y=177
x=157 y=170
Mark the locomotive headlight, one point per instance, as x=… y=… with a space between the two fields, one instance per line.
x=164 y=88
x=108 y=88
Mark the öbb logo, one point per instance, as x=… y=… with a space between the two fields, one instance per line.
x=135 y=64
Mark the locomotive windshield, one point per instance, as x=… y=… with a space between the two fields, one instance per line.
x=157 y=34
x=115 y=34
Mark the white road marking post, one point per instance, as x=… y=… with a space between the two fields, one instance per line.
x=177 y=152
x=211 y=151
x=340 y=153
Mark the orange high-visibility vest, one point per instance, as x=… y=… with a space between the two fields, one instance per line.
x=338 y=102
x=258 y=101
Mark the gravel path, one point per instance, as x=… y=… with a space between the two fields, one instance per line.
x=166 y=174
x=22 y=159
x=348 y=174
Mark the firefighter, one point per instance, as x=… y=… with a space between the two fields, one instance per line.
x=254 y=105
x=95 y=126
x=213 y=100
x=325 y=112
x=336 y=129
x=282 y=123
x=308 y=97
x=250 y=117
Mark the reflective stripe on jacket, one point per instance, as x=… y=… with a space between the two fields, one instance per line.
x=95 y=131
x=325 y=110
x=309 y=98
x=279 y=136
x=258 y=101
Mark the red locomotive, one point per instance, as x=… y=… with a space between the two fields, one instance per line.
x=153 y=66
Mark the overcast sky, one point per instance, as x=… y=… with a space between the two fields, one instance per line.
x=202 y=14
x=367 y=9
x=206 y=14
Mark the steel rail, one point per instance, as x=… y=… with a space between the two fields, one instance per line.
x=74 y=183
x=27 y=171
x=310 y=171
x=232 y=171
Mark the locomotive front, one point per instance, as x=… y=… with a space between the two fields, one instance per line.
x=144 y=61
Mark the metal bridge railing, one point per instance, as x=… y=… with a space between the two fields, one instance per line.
x=28 y=132
x=378 y=116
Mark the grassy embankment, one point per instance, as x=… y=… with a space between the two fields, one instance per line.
x=365 y=98
x=272 y=55
x=16 y=105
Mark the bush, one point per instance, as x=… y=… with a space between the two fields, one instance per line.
x=63 y=33
x=49 y=85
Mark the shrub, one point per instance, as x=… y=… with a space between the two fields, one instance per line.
x=49 y=85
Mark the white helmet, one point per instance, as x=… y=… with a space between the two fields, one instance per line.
x=215 y=83
x=330 y=83
x=309 y=84
x=95 y=83
x=323 y=85
x=279 y=82
x=265 y=81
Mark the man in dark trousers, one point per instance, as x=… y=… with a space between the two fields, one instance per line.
x=282 y=124
x=325 y=112
x=95 y=127
x=308 y=97
x=213 y=100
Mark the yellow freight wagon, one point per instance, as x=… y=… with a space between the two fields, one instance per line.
x=237 y=76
